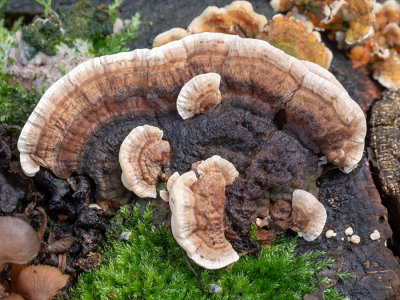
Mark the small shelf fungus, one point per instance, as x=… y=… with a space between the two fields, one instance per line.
x=142 y=155
x=276 y=116
x=198 y=94
x=308 y=215
x=197 y=201
x=19 y=242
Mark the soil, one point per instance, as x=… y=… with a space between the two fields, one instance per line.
x=350 y=199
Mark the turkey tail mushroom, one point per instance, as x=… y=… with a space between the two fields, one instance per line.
x=197 y=205
x=104 y=98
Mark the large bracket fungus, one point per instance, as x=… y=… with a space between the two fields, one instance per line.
x=276 y=115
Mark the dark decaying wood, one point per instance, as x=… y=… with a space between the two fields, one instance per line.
x=350 y=200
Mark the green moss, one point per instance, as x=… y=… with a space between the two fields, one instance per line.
x=15 y=103
x=86 y=21
x=117 y=42
x=150 y=266
x=44 y=35
x=82 y=20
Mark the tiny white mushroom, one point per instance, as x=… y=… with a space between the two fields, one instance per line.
x=124 y=236
x=375 y=235
x=349 y=231
x=198 y=94
x=330 y=233
x=355 y=239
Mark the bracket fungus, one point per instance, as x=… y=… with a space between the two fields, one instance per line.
x=81 y=121
x=197 y=204
x=198 y=94
x=308 y=215
x=236 y=18
x=239 y=15
x=142 y=155
x=294 y=38
x=19 y=243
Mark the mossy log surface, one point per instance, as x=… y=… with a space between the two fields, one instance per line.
x=350 y=199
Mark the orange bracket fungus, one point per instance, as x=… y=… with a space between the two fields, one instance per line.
x=197 y=204
x=236 y=18
x=19 y=243
x=296 y=39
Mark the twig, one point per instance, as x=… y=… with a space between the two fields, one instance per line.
x=194 y=272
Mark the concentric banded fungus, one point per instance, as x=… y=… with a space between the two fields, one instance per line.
x=308 y=215
x=197 y=206
x=19 y=243
x=198 y=94
x=81 y=121
x=142 y=155
x=40 y=282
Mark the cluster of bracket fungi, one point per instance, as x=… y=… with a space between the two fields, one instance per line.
x=245 y=128
x=289 y=34
x=369 y=30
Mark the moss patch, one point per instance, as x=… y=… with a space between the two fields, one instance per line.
x=15 y=104
x=43 y=35
x=150 y=266
x=86 y=21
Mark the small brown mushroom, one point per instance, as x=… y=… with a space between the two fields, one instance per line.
x=197 y=206
x=199 y=94
x=308 y=215
x=12 y=296
x=40 y=282
x=19 y=242
x=142 y=155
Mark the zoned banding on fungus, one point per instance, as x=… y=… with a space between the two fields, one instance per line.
x=142 y=155
x=308 y=215
x=197 y=204
x=130 y=88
